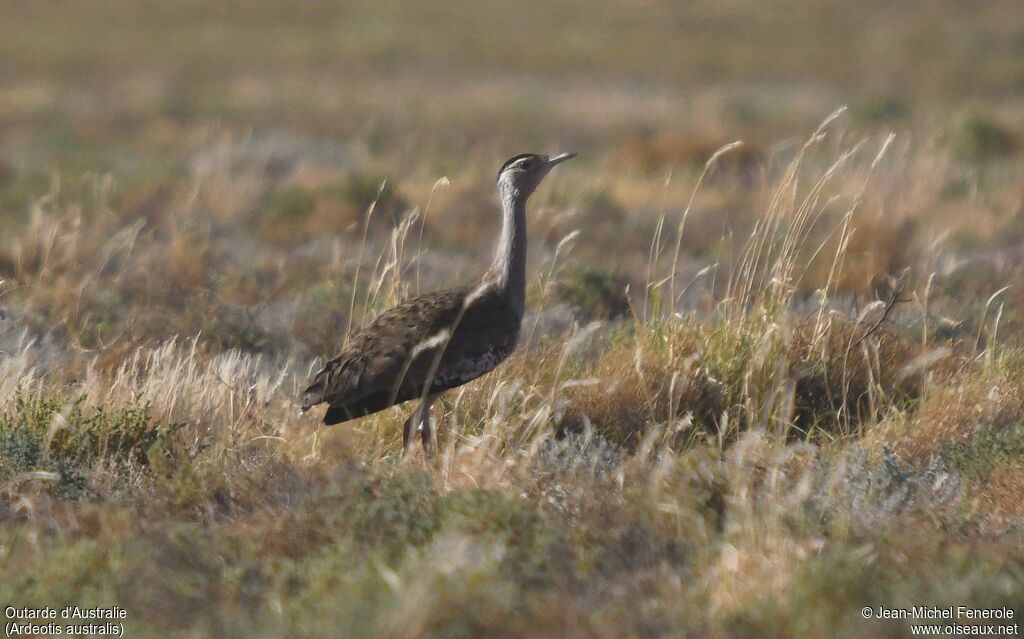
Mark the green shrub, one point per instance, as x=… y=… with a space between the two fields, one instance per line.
x=388 y=514
x=977 y=456
x=294 y=214
x=595 y=294
x=361 y=189
x=286 y=212
x=882 y=109
x=974 y=136
x=50 y=433
x=533 y=548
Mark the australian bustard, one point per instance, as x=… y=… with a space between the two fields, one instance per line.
x=435 y=342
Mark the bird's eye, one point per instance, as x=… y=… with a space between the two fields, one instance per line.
x=525 y=165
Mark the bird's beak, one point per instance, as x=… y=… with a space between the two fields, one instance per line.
x=562 y=157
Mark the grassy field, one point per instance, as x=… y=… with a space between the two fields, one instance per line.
x=760 y=387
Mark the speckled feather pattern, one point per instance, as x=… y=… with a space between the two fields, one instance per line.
x=390 y=360
x=441 y=340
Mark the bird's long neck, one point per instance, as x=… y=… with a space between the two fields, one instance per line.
x=508 y=269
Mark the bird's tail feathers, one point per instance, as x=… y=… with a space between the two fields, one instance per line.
x=313 y=395
x=337 y=415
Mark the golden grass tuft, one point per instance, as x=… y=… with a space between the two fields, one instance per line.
x=643 y=379
x=740 y=454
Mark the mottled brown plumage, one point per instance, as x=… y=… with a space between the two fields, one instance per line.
x=440 y=340
x=390 y=361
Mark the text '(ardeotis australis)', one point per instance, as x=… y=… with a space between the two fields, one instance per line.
x=435 y=342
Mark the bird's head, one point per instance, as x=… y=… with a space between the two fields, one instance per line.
x=523 y=173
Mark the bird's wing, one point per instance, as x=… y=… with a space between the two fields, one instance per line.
x=392 y=355
x=485 y=335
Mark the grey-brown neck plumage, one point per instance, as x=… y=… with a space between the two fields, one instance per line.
x=508 y=269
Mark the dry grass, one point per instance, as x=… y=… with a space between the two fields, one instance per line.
x=703 y=469
x=757 y=438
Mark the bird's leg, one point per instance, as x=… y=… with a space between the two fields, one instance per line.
x=419 y=421
x=426 y=432
x=407 y=432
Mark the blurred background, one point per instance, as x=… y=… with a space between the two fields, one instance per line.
x=241 y=143
x=186 y=231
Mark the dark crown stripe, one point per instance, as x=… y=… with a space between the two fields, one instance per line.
x=515 y=159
